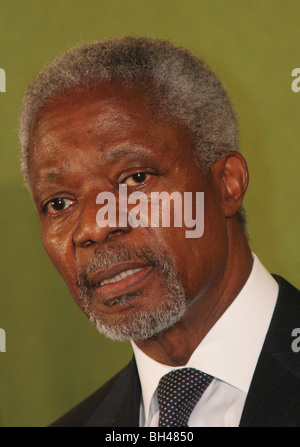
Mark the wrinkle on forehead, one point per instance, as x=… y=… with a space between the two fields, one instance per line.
x=80 y=112
x=128 y=100
x=109 y=126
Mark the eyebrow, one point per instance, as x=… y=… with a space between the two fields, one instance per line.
x=50 y=174
x=128 y=151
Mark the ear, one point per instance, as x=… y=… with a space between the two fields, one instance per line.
x=231 y=175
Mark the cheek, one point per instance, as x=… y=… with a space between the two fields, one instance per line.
x=173 y=243
x=200 y=259
x=209 y=253
x=59 y=248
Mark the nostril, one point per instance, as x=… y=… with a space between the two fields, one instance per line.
x=88 y=243
x=114 y=233
x=85 y=243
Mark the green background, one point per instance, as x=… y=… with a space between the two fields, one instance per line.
x=54 y=356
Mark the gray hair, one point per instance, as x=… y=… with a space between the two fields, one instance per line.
x=186 y=91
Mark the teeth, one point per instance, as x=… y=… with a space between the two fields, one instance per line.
x=120 y=276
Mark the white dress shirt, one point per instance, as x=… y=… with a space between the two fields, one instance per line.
x=229 y=352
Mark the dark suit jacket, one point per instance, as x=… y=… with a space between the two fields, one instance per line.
x=273 y=399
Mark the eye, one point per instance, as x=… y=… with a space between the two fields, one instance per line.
x=57 y=205
x=137 y=178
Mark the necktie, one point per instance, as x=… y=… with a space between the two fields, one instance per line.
x=177 y=394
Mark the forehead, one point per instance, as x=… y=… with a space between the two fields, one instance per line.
x=109 y=112
x=107 y=123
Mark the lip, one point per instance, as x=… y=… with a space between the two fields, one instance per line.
x=108 y=292
x=96 y=278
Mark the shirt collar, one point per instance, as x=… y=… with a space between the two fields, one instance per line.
x=230 y=350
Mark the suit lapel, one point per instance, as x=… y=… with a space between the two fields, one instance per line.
x=120 y=407
x=275 y=387
x=271 y=394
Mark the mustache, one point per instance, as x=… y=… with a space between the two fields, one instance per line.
x=105 y=257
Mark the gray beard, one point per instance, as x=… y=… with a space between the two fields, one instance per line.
x=141 y=324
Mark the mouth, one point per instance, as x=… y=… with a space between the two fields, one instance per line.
x=118 y=280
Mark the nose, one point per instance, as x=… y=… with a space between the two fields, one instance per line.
x=98 y=224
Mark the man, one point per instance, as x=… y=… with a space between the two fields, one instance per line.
x=149 y=117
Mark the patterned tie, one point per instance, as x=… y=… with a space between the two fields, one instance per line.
x=177 y=394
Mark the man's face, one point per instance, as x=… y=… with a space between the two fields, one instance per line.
x=131 y=282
